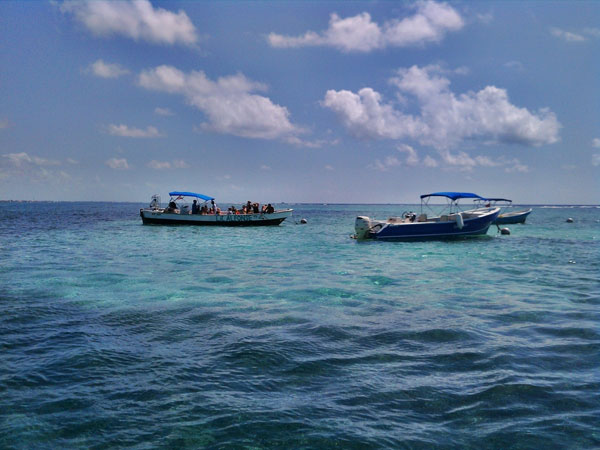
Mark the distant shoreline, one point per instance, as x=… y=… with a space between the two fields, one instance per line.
x=539 y=205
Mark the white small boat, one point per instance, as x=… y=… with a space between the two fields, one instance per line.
x=179 y=212
x=506 y=216
x=411 y=226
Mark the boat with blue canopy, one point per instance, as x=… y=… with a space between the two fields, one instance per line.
x=191 y=208
x=506 y=216
x=450 y=223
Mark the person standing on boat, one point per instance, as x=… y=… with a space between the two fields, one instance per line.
x=195 y=209
x=213 y=206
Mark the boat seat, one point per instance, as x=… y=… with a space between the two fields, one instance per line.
x=422 y=218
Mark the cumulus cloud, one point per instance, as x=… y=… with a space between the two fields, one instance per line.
x=175 y=164
x=412 y=159
x=445 y=119
x=366 y=116
x=135 y=19
x=24 y=159
x=163 y=111
x=567 y=35
x=596 y=159
x=464 y=162
x=515 y=65
x=461 y=161
x=428 y=161
x=592 y=32
x=107 y=70
x=125 y=131
x=580 y=36
x=430 y=23
x=387 y=163
x=117 y=163
x=230 y=103
x=34 y=168
x=596 y=142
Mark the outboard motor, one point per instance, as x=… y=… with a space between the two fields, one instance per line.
x=362 y=227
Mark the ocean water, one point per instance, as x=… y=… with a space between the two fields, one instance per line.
x=119 y=335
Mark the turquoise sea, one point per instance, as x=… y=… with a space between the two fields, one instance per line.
x=119 y=335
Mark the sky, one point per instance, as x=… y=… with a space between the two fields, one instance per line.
x=290 y=101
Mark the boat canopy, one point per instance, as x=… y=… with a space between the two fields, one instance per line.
x=453 y=195
x=190 y=194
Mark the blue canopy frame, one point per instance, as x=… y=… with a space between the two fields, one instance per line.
x=206 y=198
x=454 y=196
x=452 y=200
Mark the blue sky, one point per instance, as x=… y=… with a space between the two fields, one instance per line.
x=350 y=102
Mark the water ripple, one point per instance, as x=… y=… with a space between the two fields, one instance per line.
x=295 y=336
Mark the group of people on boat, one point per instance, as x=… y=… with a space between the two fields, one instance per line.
x=248 y=208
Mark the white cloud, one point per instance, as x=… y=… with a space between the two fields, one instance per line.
x=485 y=18
x=117 y=163
x=596 y=159
x=318 y=143
x=106 y=70
x=594 y=32
x=365 y=116
x=175 y=164
x=135 y=19
x=567 y=35
x=385 y=165
x=159 y=165
x=329 y=167
x=163 y=111
x=412 y=159
x=428 y=161
x=515 y=65
x=23 y=159
x=445 y=119
x=125 y=131
x=596 y=142
x=466 y=163
x=33 y=168
x=180 y=164
x=265 y=167
x=72 y=161
x=229 y=102
x=359 y=33
x=516 y=166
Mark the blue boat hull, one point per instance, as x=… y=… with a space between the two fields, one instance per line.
x=436 y=230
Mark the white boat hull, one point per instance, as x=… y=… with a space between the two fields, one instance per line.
x=159 y=217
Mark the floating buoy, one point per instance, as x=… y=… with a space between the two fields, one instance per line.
x=303 y=221
x=570 y=220
x=504 y=231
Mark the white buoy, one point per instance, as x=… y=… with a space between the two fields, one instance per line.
x=570 y=220
x=303 y=221
x=504 y=231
